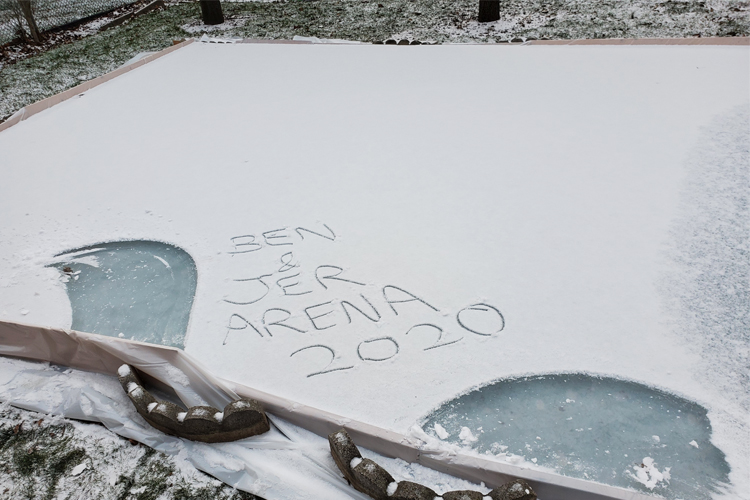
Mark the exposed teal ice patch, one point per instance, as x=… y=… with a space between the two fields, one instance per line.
x=143 y=290
x=601 y=429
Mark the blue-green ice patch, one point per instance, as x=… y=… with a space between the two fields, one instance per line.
x=141 y=290
x=602 y=429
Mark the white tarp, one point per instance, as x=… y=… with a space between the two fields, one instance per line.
x=285 y=464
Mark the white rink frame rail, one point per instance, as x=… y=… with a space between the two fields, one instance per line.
x=32 y=109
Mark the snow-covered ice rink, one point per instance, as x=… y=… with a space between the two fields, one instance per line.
x=377 y=230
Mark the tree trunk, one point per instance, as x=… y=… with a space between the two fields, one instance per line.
x=28 y=14
x=489 y=10
x=211 y=10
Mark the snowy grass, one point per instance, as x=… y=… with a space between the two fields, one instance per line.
x=43 y=457
x=66 y=66
x=454 y=21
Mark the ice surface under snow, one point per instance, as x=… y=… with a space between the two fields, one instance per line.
x=590 y=428
x=419 y=229
x=148 y=285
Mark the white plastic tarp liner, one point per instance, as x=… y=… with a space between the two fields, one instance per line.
x=285 y=463
x=378 y=229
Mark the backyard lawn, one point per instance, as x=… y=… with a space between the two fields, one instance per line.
x=441 y=21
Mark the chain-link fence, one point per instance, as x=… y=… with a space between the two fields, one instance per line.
x=19 y=18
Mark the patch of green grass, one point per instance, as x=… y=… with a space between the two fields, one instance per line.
x=66 y=66
x=150 y=477
x=206 y=493
x=40 y=452
x=37 y=457
x=125 y=484
x=28 y=462
x=59 y=465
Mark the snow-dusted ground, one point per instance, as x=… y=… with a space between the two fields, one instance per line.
x=371 y=20
x=46 y=456
x=13 y=52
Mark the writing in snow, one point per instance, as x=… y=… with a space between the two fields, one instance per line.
x=346 y=305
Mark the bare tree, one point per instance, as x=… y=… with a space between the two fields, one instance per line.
x=489 y=10
x=211 y=11
x=22 y=12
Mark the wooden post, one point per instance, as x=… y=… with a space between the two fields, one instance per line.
x=211 y=11
x=489 y=10
x=28 y=14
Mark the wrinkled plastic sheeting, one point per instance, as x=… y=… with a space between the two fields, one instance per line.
x=170 y=366
x=286 y=462
x=193 y=383
x=289 y=468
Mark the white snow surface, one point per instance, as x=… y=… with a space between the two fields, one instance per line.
x=440 y=431
x=177 y=376
x=78 y=469
x=648 y=474
x=391 y=489
x=466 y=435
x=535 y=182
